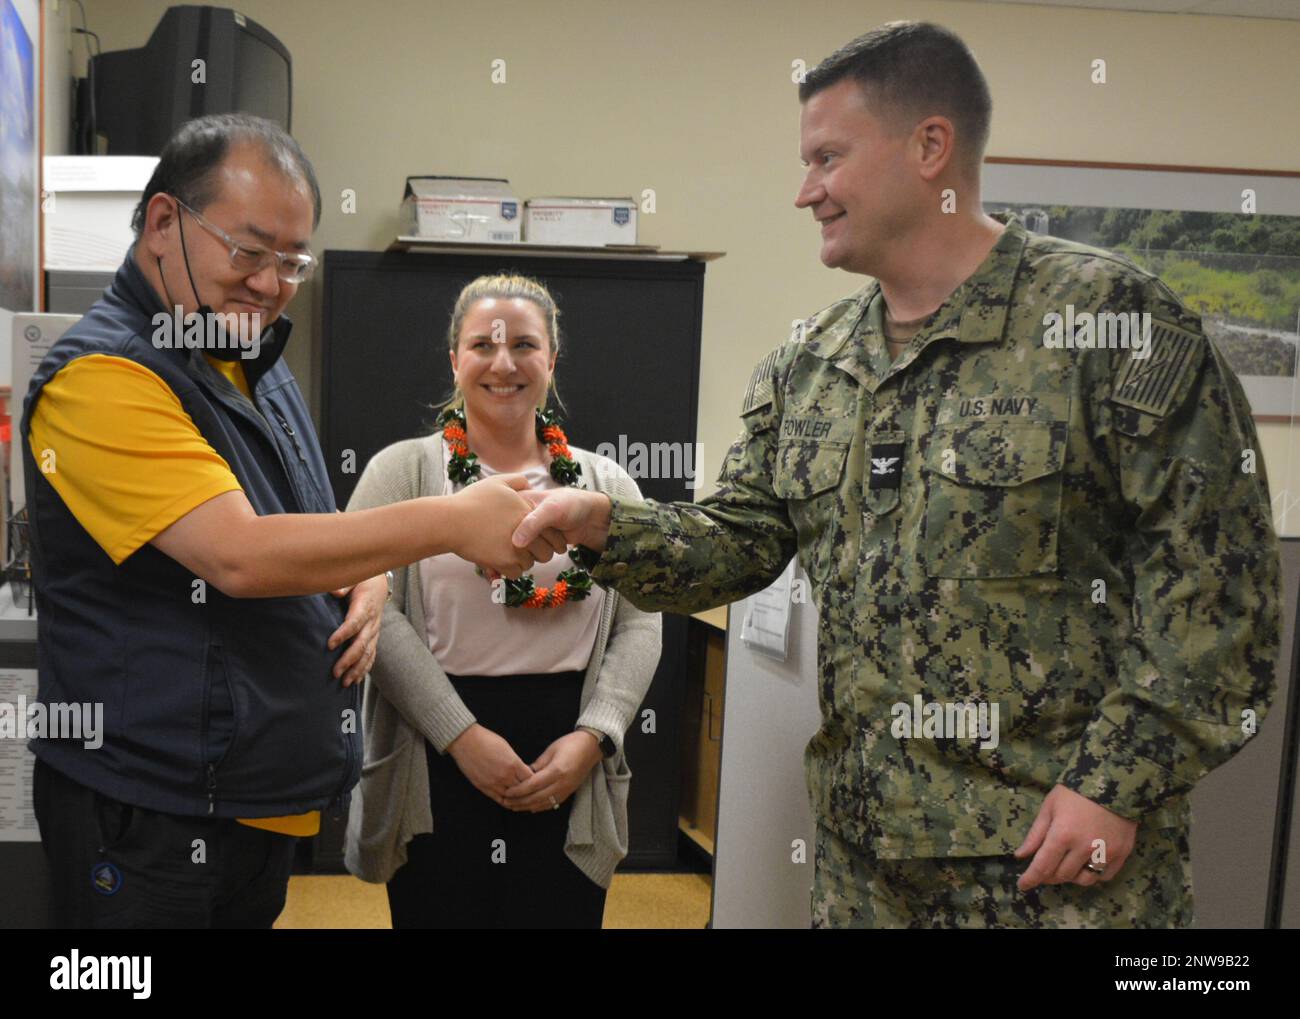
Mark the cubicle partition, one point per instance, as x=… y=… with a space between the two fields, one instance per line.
x=1245 y=843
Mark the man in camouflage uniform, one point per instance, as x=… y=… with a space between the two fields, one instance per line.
x=988 y=516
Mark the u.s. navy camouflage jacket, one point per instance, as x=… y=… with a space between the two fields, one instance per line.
x=1081 y=537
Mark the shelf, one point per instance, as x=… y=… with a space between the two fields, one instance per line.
x=424 y=245
x=695 y=835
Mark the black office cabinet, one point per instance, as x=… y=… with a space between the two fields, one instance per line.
x=628 y=367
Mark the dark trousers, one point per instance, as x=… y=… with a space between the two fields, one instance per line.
x=486 y=866
x=114 y=865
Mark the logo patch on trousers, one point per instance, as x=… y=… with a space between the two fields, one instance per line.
x=105 y=878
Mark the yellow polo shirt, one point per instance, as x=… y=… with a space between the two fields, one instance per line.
x=130 y=462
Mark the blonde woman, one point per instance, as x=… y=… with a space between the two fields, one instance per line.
x=494 y=792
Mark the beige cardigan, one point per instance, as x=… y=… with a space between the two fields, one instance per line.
x=408 y=698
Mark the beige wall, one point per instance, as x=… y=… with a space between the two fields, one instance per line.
x=694 y=99
x=57 y=70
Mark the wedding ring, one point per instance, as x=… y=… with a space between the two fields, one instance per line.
x=1095 y=870
x=554 y=803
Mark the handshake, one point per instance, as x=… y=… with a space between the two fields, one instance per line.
x=505 y=527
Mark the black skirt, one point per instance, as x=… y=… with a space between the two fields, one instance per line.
x=485 y=866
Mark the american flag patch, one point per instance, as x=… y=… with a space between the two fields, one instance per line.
x=759 y=393
x=1150 y=384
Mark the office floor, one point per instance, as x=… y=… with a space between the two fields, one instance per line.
x=659 y=901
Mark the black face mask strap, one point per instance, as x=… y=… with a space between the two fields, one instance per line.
x=204 y=310
x=166 y=289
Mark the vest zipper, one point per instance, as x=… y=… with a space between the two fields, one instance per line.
x=214 y=675
x=356 y=706
x=259 y=420
x=288 y=429
x=347 y=748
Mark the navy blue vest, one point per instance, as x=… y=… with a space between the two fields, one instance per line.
x=212 y=705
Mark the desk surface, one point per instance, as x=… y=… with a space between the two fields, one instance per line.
x=15 y=623
x=716 y=618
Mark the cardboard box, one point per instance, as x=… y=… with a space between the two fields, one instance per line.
x=590 y=222
x=466 y=209
x=88 y=205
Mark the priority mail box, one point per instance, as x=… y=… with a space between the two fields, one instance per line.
x=481 y=209
x=88 y=205
x=592 y=222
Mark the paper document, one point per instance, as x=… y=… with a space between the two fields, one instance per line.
x=17 y=814
x=766 y=624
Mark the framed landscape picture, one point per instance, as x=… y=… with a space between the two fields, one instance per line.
x=19 y=168
x=1226 y=241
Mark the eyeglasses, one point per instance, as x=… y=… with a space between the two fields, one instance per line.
x=291 y=267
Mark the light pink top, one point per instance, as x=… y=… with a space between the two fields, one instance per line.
x=471 y=635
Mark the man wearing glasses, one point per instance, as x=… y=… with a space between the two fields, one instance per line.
x=193 y=574
x=241 y=330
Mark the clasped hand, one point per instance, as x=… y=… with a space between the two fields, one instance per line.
x=491 y=511
x=513 y=527
x=495 y=770
x=1065 y=836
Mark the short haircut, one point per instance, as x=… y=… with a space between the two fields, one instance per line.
x=913 y=70
x=189 y=161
